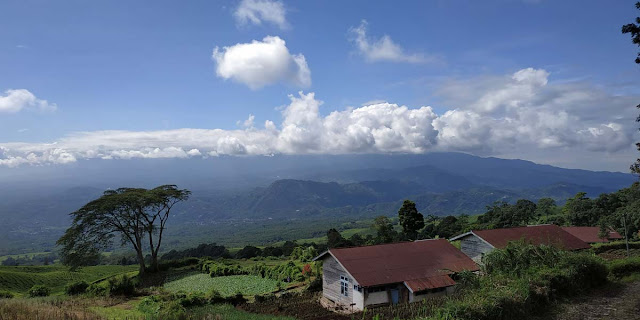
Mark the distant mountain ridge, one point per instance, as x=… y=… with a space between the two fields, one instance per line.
x=308 y=188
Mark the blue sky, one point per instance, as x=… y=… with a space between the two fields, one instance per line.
x=120 y=77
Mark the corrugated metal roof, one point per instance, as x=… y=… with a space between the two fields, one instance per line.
x=543 y=234
x=399 y=262
x=590 y=234
x=429 y=283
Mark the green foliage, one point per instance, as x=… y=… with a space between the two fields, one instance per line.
x=523 y=287
x=76 y=288
x=410 y=219
x=132 y=213
x=225 y=286
x=519 y=257
x=384 y=230
x=6 y=294
x=97 y=290
x=624 y=267
x=39 y=291
x=248 y=252
x=336 y=240
x=121 y=286
x=634 y=30
x=304 y=254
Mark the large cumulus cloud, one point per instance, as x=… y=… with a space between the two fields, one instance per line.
x=260 y=63
x=520 y=112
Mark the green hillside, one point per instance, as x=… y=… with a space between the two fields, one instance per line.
x=19 y=279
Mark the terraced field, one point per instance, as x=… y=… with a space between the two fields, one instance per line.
x=227 y=286
x=19 y=279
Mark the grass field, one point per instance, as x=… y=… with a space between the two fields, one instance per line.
x=227 y=286
x=228 y=312
x=19 y=279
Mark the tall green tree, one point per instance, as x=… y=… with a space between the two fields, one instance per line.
x=634 y=30
x=133 y=214
x=384 y=230
x=546 y=207
x=410 y=219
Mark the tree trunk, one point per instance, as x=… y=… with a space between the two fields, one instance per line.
x=141 y=270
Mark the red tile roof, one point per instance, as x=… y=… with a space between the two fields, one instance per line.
x=399 y=262
x=590 y=234
x=429 y=283
x=543 y=234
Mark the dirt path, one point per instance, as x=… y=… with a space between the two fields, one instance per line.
x=619 y=301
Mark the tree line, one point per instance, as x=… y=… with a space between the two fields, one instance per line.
x=617 y=210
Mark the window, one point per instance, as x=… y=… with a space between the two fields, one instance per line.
x=376 y=289
x=344 y=286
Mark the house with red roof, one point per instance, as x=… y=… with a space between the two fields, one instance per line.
x=359 y=277
x=476 y=243
x=591 y=234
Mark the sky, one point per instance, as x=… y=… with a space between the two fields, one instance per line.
x=548 y=81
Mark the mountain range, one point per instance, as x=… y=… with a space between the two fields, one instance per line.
x=297 y=187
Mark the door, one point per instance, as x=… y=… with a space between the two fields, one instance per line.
x=395 y=296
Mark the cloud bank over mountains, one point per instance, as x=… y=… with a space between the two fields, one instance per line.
x=490 y=115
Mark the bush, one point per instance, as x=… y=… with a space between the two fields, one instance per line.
x=215 y=297
x=195 y=299
x=624 y=267
x=315 y=285
x=97 y=290
x=121 y=286
x=238 y=299
x=76 y=288
x=614 y=245
x=6 y=295
x=521 y=280
x=39 y=291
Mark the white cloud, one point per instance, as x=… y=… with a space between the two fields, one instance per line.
x=16 y=100
x=383 y=49
x=257 y=11
x=261 y=63
x=505 y=115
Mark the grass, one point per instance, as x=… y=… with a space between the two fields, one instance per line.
x=228 y=312
x=227 y=286
x=20 y=278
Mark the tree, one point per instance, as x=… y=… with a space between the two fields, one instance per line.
x=634 y=30
x=546 y=207
x=410 y=219
x=384 y=230
x=579 y=210
x=336 y=240
x=131 y=213
x=524 y=211
x=448 y=227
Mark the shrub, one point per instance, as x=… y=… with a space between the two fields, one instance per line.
x=191 y=300
x=39 y=291
x=238 y=299
x=624 y=267
x=97 y=290
x=6 y=295
x=215 y=297
x=121 y=286
x=76 y=288
x=315 y=285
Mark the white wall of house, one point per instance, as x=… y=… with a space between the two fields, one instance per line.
x=377 y=298
x=331 y=282
x=358 y=299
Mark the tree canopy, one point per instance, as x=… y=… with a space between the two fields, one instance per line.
x=410 y=219
x=131 y=213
